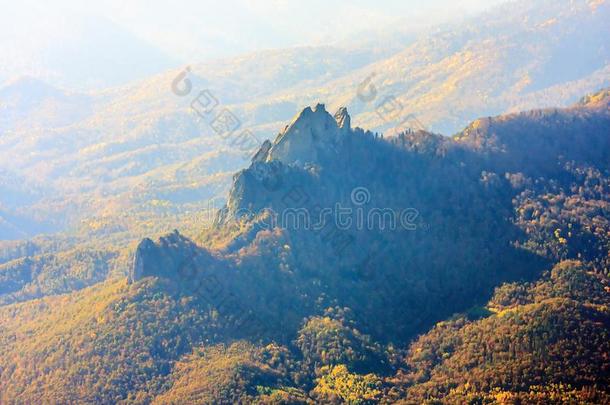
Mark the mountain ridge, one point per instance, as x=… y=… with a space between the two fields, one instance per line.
x=501 y=272
x=130 y=137
x=278 y=171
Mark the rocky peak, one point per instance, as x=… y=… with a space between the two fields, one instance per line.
x=145 y=250
x=311 y=135
x=343 y=119
x=164 y=258
x=262 y=153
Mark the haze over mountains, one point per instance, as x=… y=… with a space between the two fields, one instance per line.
x=108 y=43
x=152 y=253
x=367 y=213
x=62 y=150
x=78 y=51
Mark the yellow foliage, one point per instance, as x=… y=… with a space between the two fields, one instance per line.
x=352 y=388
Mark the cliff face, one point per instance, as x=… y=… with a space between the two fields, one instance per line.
x=312 y=136
x=143 y=260
x=314 y=142
x=170 y=257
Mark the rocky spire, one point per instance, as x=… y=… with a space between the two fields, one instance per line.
x=262 y=153
x=312 y=137
x=343 y=119
x=312 y=134
x=166 y=258
x=144 y=251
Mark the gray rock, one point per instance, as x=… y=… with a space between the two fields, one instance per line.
x=311 y=135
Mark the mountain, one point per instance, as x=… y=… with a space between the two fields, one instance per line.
x=315 y=164
x=93 y=161
x=79 y=50
x=33 y=103
x=349 y=267
x=516 y=56
x=140 y=142
x=544 y=342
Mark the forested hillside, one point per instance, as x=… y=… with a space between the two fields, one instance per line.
x=491 y=286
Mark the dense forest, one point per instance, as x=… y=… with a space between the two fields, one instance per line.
x=495 y=290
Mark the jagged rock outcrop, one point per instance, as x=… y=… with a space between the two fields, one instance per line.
x=343 y=119
x=167 y=258
x=262 y=153
x=314 y=137
x=144 y=252
x=311 y=136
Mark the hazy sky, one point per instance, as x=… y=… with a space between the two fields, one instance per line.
x=40 y=36
x=254 y=24
x=182 y=28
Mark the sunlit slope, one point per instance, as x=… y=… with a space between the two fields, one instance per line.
x=518 y=56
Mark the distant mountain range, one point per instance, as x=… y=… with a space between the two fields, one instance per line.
x=90 y=162
x=76 y=50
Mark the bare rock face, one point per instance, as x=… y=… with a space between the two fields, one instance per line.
x=262 y=153
x=314 y=137
x=146 y=249
x=169 y=257
x=343 y=119
x=311 y=135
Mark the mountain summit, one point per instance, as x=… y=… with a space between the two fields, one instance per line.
x=311 y=136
